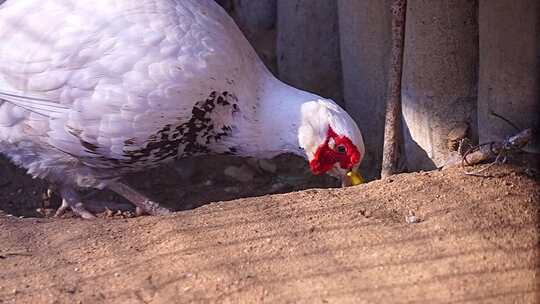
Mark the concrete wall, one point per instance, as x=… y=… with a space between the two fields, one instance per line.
x=509 y=81
x=308 y=46
x=365 y=50
x=257 y=20
x=439 y=77
x=253 y=16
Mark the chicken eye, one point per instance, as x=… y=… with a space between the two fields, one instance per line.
x=341 y=149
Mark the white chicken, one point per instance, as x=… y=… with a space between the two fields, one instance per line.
x=91 y=90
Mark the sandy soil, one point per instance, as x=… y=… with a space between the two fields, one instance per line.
x=477 y=240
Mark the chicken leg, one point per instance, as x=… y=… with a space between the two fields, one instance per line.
x=142 y=203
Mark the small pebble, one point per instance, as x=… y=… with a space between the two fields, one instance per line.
x=232 y=189
x=530 y=172
x=242 y=174
x=108 y=212
x=267 y=165
x=278 y=186
x=411 y=218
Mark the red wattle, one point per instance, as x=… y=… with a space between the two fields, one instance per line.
x=325 y=157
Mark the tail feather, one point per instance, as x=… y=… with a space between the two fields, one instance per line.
x=41 y=106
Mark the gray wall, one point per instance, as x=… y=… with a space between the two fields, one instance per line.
x=439 y=77
x=257 y=20
x=308 y=46
x=509 y=67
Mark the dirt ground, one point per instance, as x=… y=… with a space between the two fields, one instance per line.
x=471 y=239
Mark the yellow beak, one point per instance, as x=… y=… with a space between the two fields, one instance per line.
x=355 y=178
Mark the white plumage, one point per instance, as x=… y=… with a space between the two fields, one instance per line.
x=91 y=90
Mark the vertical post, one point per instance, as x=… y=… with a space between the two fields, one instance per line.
x=392 y=130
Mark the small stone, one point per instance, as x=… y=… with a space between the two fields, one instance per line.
x=459 y=132
x=243 y=174
x=267 y=165
x=232 y=189
x=278 y=186
x=411 y=218
x=530 y=172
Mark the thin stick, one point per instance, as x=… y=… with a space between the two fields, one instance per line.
x=505 y=120
x=392 y=131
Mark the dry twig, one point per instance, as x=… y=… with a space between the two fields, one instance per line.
x=499 y=151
